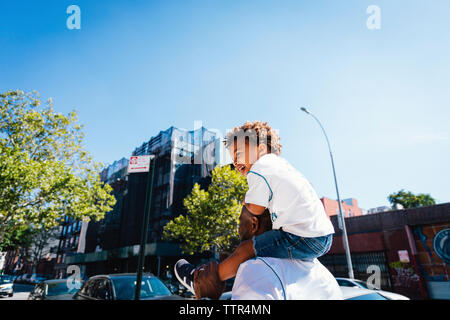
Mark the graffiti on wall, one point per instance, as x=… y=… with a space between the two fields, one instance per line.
x=441 y=245
x=404 y=275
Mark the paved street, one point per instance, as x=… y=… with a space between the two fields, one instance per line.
x=21 y=292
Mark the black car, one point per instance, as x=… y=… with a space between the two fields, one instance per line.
x=121 y=286
x=59 y=289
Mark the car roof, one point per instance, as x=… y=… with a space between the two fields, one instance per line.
x=340 y=278
x=55 y=281
x=119 y=275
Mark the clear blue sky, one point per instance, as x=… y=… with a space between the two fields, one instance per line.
x=138 y=67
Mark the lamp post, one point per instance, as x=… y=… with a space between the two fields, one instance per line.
x=144 y=230
x=341 y=216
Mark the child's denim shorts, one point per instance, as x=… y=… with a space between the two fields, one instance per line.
x=281 y=244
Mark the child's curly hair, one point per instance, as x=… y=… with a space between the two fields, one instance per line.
x=264 y=134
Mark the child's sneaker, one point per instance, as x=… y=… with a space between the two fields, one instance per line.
x=184 y=271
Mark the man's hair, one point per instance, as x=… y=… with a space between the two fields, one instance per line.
x=264 y=219
x=257 y=131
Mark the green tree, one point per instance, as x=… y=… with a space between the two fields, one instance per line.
x=45 y=173
x=19 y=236
x=212 y=218
x=409 y=200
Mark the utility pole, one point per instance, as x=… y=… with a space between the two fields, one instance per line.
x=145 y=223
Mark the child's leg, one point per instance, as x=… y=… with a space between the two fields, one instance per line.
x=228 y=268
x=268 y=244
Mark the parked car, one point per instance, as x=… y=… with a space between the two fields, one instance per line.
x=18 y=278
x=6 y=286
x=352 y=283
x=122 y=287
x=37 y=278
x=351 y=293
x=24 y=278
x=358 y=293
x=178 y=289
x=225 y=296
x=57 y=289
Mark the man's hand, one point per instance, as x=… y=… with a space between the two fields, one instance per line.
x=207 y=282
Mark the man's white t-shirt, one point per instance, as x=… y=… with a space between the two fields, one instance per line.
x=284 y=279
x=294 y=205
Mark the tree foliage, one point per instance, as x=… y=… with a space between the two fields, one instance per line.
x=20 y=236
x=409 y=200
x=45 y=173
x=212 y=218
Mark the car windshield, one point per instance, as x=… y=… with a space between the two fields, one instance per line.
x=370 y=296
x=150 y=287
x=362 y=283
x=59 y=288
x=345 y=283
x=4 y=280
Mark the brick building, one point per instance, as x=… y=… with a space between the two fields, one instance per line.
x=411 y=247
x=349 y=207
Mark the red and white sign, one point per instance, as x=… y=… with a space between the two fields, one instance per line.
x=139 y=164
x=403 y=255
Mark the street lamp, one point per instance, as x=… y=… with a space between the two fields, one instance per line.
x=341 y=217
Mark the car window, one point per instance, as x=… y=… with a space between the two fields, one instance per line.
x=5 y=279
x=89 y=288
x=150 y=287
x=345 y=283
x=59 y=288
x=362 y=284
x=103 y=291
x=370 y=296
x=83 y=289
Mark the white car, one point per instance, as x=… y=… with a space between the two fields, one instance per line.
x=351 y=288
x=6 y=286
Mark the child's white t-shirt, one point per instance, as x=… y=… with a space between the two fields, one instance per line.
x=293 y=204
